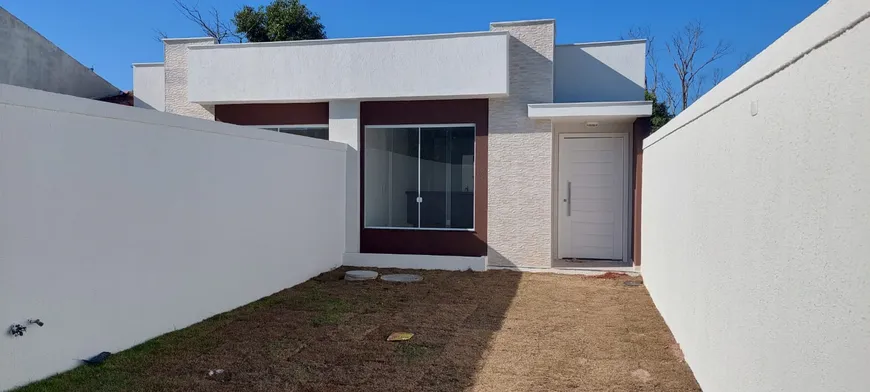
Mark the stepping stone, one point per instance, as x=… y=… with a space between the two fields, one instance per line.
x=401 y=278
x=360 y=275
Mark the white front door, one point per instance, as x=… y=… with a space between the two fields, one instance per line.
x=592 y=194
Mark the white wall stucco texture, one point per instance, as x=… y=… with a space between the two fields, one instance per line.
x=148 y=86
x=520 y=152
x=426 y=66
x=29 y=60
x=119 y=224
x=600 y=72
x=756 y=227
x=175 y=56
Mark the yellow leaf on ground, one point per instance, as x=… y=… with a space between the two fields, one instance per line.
x=399 y=336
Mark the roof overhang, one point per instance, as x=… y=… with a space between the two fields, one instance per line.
x=585 y=111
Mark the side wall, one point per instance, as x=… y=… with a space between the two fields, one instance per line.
x=119 y=224
x=149 y=89
x=756 y=217
x=29 y=60
x=521 y=152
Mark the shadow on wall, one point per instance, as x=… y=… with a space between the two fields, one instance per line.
x=496 y=259
x=580 y=77
x=528 y=70
x=140 y=104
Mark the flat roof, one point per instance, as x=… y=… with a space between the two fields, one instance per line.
x=585 y=110
x=328 y=41
x=607 y=43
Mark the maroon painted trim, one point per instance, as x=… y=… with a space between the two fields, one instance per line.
x=273 y=113
x=641 y=129
x=430 y=242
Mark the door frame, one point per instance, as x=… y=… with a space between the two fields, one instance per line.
x=626 y=189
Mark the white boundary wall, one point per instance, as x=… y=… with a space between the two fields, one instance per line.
x=30 y=60
x=756 y=228
x=119 y=224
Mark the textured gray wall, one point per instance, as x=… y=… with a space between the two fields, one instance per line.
x=175 y=78
x=519 y=221
x=29 y=60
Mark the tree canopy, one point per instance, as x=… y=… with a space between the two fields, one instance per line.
x=660 y=114
x=282 y=20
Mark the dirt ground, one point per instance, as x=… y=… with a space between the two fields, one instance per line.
x=493 y=331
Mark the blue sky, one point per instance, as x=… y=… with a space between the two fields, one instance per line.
x=109 y=35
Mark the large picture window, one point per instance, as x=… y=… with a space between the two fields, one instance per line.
x=419 y=177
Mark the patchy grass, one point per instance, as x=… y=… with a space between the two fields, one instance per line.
x=493 y=331
x=332 y=311
x=411 y=352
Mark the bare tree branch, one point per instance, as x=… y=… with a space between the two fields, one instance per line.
x=232 y=32
x=651 y=59
x=717 y=76
x=159 y=35
x=670 y=94
x=210 y=24
x=654 y=67
x=745 y=59
x=687 y=49
x=698 y=88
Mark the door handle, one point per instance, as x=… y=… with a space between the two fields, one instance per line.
x=569 y=198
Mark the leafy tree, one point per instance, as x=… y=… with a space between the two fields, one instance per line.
x=660 y=115
x=282 y=20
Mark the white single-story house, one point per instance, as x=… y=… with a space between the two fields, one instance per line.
x=496 y=148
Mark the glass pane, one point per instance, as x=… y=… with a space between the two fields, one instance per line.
x=317 y=133
x=447 y=177
x=391 y=177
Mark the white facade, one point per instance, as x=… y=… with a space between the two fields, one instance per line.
x=425 y=66
x=516 y=66
x=756 y=218
x=121 y=224
x=151 y=92
x=600 y=71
